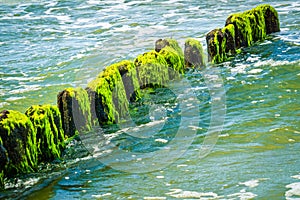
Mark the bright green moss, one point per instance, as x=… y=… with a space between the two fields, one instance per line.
x=111 y=96
x=229 y=47
x=161 y=43
x=257 y=24
x=229 y=29
x=152 y=69
x=130 y=80
x=193 y=53
x=74 y=106
x=174 y=60
x=172 y=53
x=216 y=40
x=253 y=25
x=271 y=18
x=241 y=30
x=194 y=43
x=81 y=108
x=174 y=45
x=49 y=133
x=19 y=139
x=243 y=26
x=221 y=44
x=218 y=57
x=71 y=92
x=265 y=7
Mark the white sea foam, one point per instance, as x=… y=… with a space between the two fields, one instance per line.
x=273 y=63
x=230 y=78
x=294 y=189
x=253 y=59
x=298 y=132
x=19 y=182
x=194 y=128
x=24 y=78
x=178 y=193
x=183 y=165
x=26 y=88
x=155 y=198
x=15 y=98
x=170 y=14
x=296 y=176
x=251 y=183
x=239 y=69
x=260 y=101
x=161 y=140
x=223 y=135
x=2 y=104
x=255 y=71
x=101 y=195
x=243 y=195
x=274 y=129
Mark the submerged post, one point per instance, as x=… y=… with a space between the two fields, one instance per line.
x=241 y=30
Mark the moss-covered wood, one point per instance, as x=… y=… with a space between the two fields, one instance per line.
x=162 y=43
x=193 y=54
x=152 y=69
x=74 y=106
x=111 y=104
x=172 y=53
x=18 y=147
x=4 y=161
x=221 y=44
x=130 y=80
x=47 y=123
x=241 y=30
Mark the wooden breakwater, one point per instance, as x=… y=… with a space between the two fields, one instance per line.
x=39 y=135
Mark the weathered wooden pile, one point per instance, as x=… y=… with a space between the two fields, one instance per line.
x=241 y=30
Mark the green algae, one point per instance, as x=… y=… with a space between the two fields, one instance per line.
x=161 y=43
x=174 y=60
x=111 y=104
x=130 y=81
x=193 y=53
x=172 y=53
x=47 y=123
x=82 y=109
x=19 y=139
x=241 y=30
x=271 y=18
x=257 y=24
x=120 y=83
x=174 y=45
x=74 y=106
x=253 y=25
x=221 y=44
x=152 y=69
x=228 y=46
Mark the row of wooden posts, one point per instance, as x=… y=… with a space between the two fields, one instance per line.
x=40 y=134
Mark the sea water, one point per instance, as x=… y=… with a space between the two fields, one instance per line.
x=46 y=46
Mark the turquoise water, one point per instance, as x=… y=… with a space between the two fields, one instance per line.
x=46 y=46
